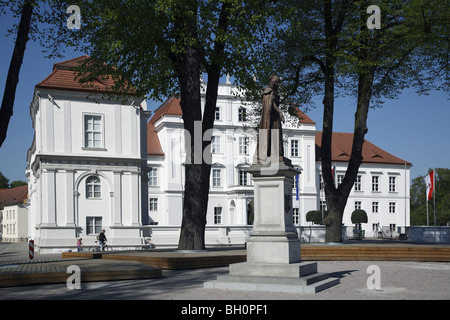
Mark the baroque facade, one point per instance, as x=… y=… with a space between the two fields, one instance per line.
x=99 y=164
x=87 y=163
x=381 y=189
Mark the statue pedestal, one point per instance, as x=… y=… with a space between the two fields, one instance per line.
x=274 y=238
x=273 y=249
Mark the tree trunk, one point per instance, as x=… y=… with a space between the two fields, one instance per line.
x=192 y=235
x=336 y=200
x=12 y=79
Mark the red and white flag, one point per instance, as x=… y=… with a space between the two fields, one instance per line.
x=429 y=181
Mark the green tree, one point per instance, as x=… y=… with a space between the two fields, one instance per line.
x=18 y=183
x=419 y=203
x=160 y=48
x=326 y=46
x=4 y=182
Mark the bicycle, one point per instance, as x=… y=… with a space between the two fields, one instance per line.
x=98 y=248
x=147 y=244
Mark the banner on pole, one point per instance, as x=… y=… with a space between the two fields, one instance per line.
x=429 y=181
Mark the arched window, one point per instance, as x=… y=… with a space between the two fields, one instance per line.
x=93 y=187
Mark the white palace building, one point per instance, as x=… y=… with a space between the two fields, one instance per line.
x=97 y=164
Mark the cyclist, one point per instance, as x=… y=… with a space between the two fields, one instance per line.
x=102 y=240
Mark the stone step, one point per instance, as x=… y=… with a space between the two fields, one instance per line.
x=282 y=270
x=321 y=285
x=305 y=285
x=307 y=280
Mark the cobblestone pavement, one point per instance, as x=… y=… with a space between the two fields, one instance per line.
x=398 y=281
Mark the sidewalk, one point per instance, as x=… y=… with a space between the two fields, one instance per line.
x=17 y=269
x=399 y=280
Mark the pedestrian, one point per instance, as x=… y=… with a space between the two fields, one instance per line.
x=102 y=240
x=79 y=244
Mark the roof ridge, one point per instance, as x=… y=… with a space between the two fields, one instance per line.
x=59 y=64
x=371 y=153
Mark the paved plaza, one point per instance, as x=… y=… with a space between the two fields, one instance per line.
x=398 y=281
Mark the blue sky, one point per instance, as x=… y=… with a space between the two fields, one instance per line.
x=412 y=127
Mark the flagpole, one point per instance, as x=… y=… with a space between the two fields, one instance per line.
x=434 y=194
x=426 y=197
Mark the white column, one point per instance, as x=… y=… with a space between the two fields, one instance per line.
x=116 y=200
x=48 y=199
x=135 y=199
x=70 y=201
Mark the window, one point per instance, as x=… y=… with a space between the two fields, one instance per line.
x=295 y=215
x=392 y=184
x=243 y=145
x=217 y=114
x=93 y=132
x=153 y=204
x=320 y=181
x=153 y=177
x=323 y=205
x=294 y=148
x=93 y=225
x=217 y=215
x=391 y=207
x=242 y=114
x=215 y=144
x=358 y=183
x=93 y=188
x=375 y=180
x=374 y=207
x=217 y=181
x=242 y=175
x=357 y=205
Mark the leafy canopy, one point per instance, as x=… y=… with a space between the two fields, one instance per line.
x=138 y=40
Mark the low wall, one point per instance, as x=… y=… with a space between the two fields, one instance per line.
x=428 y=234
x=316 y=233
x=168 y=236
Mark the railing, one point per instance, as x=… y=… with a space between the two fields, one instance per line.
x=428 y=234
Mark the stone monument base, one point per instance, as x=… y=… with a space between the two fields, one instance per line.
x=273 y=249
x=300 y=278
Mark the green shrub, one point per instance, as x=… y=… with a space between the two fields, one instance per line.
x=359 y=216
x=315 y=216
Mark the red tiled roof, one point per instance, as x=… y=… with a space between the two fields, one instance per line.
x=302 y=117
x=10 y=197
x=153 y=144
x=341 y=149
x=170 y=107
x=63 y=78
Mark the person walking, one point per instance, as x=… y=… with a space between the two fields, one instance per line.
x=79 y=244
